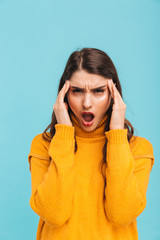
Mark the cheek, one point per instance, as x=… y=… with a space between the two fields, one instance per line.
x=103 y=103
x=73 y=101
x=103 y=100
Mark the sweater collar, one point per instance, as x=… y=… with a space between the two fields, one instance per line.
x=80 y=132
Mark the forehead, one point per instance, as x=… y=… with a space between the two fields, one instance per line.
x=82 y=78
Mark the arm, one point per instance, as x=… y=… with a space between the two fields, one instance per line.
x=126 y=178
x=53 y=180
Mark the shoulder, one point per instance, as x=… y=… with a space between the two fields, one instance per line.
x=141 y=145
x=39 y=145
x=39 y=140
x=141 y=148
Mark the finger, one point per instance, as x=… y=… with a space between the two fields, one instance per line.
x=64 y=89
x=115 y=90
x=115 y=93
x=67 y=87
x=61 y=94
x=117 y=96
x=110 y=87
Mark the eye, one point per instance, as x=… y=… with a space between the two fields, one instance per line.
x=95 y=91
x=76 y=90
x=98 y=91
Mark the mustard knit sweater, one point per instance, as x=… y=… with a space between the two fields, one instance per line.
x=68 y=188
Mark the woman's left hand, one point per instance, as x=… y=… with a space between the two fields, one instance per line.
x=119 y=108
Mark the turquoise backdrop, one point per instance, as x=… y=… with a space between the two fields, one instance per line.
x=36 y=39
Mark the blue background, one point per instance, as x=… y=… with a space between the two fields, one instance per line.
x=36 y=39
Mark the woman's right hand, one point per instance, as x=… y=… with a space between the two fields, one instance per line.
x=61 y=108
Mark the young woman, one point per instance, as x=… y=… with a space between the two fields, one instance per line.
x=89 y=173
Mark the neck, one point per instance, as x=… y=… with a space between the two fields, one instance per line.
x=80 y=132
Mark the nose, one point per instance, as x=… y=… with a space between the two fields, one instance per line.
x=87 y=103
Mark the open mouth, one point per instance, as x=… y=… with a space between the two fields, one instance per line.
x=88 y=117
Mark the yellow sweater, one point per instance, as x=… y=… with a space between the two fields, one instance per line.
x=67 y=191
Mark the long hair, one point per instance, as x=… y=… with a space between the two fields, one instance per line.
x=93 y=61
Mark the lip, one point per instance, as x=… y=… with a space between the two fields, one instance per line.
x=87 y=123
x=87 y=112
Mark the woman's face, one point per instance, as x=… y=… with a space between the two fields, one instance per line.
x=88 y=93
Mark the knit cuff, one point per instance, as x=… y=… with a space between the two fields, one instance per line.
x=64 y=131
x=117 y=135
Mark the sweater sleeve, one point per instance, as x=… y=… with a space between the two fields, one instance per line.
x=127 y=176
x=53 y=177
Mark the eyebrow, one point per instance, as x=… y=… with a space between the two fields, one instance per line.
x=91 y=89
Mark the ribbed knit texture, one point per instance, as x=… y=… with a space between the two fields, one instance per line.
x=67 y=191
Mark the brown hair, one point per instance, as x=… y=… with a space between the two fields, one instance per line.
x=93 y=61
